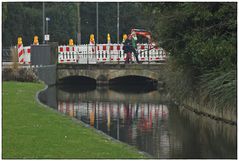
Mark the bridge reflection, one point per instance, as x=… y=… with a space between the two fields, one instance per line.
x=144 y=125
x=110 y=116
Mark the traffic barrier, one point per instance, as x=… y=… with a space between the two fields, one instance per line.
x=143 y=52
x=110 y=52
x=82 y=54
x=20 y=51
x=66 y=54
x=24 y=54
x=102 y=53
x=117 y=52
x=27 y=54
x=92 y=54
x=21 y=54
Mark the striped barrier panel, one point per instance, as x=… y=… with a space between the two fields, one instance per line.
x=155 y=54
x=117 y=53
x=27 y=53
x=142 y=49
x=150 y=53
x=103 y=53
x=110 y=53
x=66 y=54
x=92 y=54
x=24 y=54
x=60 y=54
x=21 y=54
x=82 y=52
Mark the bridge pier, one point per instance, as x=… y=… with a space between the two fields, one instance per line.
x=102 y=82
x=160 y=85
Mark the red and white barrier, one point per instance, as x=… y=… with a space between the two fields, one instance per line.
x=81 y=54
x=24 y=54
x=101 y=53
x=27 y=53
x=110 y=53
x=21 y=55
x=91 y=54
x=81 y=51
x=66 y=54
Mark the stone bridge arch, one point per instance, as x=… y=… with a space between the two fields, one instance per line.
x=63 y=73
x=142 y=73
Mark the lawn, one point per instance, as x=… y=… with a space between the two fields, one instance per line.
x=30 y=130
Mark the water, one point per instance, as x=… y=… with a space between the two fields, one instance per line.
x=146 y=120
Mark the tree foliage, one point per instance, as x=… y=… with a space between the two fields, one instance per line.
x=25 y=19
x=200 y=34
x=201 y=37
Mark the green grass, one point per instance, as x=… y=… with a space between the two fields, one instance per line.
x=30 y=130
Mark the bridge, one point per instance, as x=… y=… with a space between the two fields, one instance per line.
x=104 y=73
x=101 y=63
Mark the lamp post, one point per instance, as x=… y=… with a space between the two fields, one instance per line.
x=47 y=36
x=78 y=24
x=43 y=22
x=47 y=20
x=97 y=26
x=117 y=22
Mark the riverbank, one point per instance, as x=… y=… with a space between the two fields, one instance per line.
x=183 y=91
x=33 y=131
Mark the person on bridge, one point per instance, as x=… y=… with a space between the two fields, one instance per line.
x=134 y=46
x=127 y=49
x=124 y=38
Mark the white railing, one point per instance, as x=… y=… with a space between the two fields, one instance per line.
x=102 y=53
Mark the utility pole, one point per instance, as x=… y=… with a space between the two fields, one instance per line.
x=78 y=24
x=97 y=25
x=43 y=21
x=117 y=22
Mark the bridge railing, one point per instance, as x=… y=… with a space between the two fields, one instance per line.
x=101 y=53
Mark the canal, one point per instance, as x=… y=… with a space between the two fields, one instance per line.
x=143 y=116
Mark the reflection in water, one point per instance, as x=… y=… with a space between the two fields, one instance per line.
x=129 y=122
x=162 y=130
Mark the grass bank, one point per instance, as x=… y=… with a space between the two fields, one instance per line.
x=32 y=131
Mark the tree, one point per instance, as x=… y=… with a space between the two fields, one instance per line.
x=201 y=37
x=25 y=19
